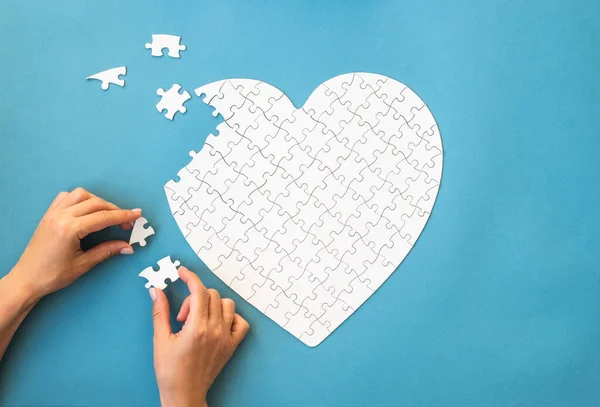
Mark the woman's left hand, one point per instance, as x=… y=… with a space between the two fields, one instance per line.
x=53 y=258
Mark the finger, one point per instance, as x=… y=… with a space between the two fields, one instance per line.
x=160 y=315
x=214 y=306
x=239 y=329
x=74 y=197
x=102 y=219
x=94 y=204
x=199 y=297
x=228 y=311
x=184 y=311
x=59 y=198
x=103 y=252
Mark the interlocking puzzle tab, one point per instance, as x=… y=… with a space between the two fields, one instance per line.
x=139 y=234
x=172 y=101
x=167 y=271
x=165 y=41
x=306 y=212
x=110 y=76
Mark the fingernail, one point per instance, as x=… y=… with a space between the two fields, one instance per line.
x=127 y=250
x=136 y=210
x=152 y=293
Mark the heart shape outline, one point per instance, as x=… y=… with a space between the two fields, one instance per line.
x=258 y=135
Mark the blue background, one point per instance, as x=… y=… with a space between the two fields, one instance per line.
x=497 y=305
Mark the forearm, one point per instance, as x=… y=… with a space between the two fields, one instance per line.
x=15 y=304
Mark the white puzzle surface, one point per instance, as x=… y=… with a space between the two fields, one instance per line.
x=306 y=212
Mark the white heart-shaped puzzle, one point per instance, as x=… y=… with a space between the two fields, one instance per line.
x=306 y=212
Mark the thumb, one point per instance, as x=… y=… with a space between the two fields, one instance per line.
x=239 y=329
x=103 y=252
x=160 y=314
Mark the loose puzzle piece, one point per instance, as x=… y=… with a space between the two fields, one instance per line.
x=167 y=271
x=172 y=101
x=110 y=76
x=306 y=212
x=168 y=41
x=140 y=233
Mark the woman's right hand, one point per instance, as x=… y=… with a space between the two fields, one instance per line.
x=187 y=363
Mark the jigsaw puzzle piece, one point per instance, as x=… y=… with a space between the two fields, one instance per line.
x=316 y=333
x=323 y=264
x=413 y=225
x=245 y=284
x=278 y=109
x=427 y=155
x=336 y=116
x=335 y=314
x=419 y=187
x=230 y=264
x=314 y=140
x=110 y=76
x=302 y=284
x=356 y=293
x=299 y=324
x=258 y=132
x=277 y=148
x=166 y=41
x=224 y=171
x=360 y=221
x=187 y=218
x=289 y=232
x=331 y=156
x=253 y=238
x=257 y=169
x=403 y=172
x=357 y=93
x=373 y=276
x=368 y=116
x=319 y=297
x=268 y=258
x=340 y=279
x=264 y=295
x=293 y=162
x=306 y=249
x=184 y=188
x=139 y=234
x=310 y=210
x=282 y=277
x=172 y=101
x=361 y=256
x=280 y=308
x=167 y=271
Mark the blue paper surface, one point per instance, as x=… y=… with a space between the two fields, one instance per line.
x=497 y=304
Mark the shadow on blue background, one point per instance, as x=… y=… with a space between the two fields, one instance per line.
x=497 y=304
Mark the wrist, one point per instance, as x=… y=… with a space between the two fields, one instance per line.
x=178 y=400
x=23 y=294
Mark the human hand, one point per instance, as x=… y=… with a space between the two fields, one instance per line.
x=187 y=363
x=53 y=258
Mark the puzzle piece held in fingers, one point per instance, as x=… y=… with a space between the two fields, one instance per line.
x=167 y=271
x=139 y=234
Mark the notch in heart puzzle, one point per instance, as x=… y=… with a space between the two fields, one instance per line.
x=306 y=212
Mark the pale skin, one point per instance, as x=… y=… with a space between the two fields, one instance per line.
x=186 y=363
